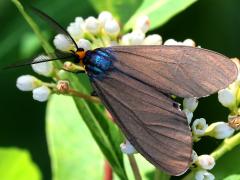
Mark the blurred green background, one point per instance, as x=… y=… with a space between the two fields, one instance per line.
x=212 y=24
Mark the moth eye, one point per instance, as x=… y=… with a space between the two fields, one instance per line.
x=176 y=105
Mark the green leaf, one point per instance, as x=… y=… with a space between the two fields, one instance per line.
x=74 y=154
x=159 y=11
x=233 y=177
x=228 y=164
x=105 y=133
x=17 y=164
x=121 y=9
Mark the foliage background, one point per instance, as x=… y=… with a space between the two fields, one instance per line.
x=213 y=24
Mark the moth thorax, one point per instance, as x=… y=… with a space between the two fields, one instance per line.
x=80 y=53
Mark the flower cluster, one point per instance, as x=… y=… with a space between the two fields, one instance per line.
x=103 y=31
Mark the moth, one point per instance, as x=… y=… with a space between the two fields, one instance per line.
x=135 y=83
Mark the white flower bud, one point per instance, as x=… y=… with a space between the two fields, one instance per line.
x=104 y=16
x=92 y=25
x=227 y=97
x=204 y=175
x=153 y=39
x=43 y=68
x=76 y=29
x=199 y=127
x=219 y=130
x=125 y=39
x=170 y=42
x=205 y=162
x=127 y=148
x=189 y=115
x=136 y=38
x=189 y=42
x=142 y=23
x=190 y=104
x=62 y=43
x=194 y=156
x=112 y=27
x=41 y=93
x=27 y=83
x=84 y=43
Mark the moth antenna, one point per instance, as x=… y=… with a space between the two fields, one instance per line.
x=54 y=24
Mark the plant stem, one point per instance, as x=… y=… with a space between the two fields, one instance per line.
x=134 y=167
x=83 y=96
x=227 y=145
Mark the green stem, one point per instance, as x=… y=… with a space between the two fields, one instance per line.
x=47 y=48
x=134 y=167
x=227 y=145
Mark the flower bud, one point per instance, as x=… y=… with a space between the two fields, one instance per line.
x=204 y=175
x=76 y=29
x=189 y=115
x=127 y=148
x=205 y=162
x=84 y=43
x=92 y=25
x=142 y=24
x=136 y=38
x=227 y=97
x=219 y=130
x=62 y=43
x=199 y=127
x=170 y=42
x=189 y=42
x=112 y=27
x=63 y=86
x=43 y=68
x=190 y=104
x=27 y=83
x=194 y=156
x=153 y=39
x=41 y=93
x=104 y=16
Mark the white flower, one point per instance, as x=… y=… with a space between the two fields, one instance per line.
x=204 y=175
x=84 y=43
x=27 y=83
x=189 y=115
x=127 y=148
x=62 y=43
x=104 y=16
x=205 y=162
x=170 y=42
x=136 y=37
x=153 y=39
x=125 y=40
x=194 y=156
x=76 y=29
x=92 y=25
x=41 y=93
x=190 y=104
x=142 y=23
x=43 y=68
x=227 y=97
x=112 y=27
x=199 y=127
x=189 y=42
x=219 y=130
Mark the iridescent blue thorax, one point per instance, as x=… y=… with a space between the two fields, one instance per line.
x=98 y=62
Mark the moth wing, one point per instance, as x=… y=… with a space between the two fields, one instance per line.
x=179 y=70
x=157 y=129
